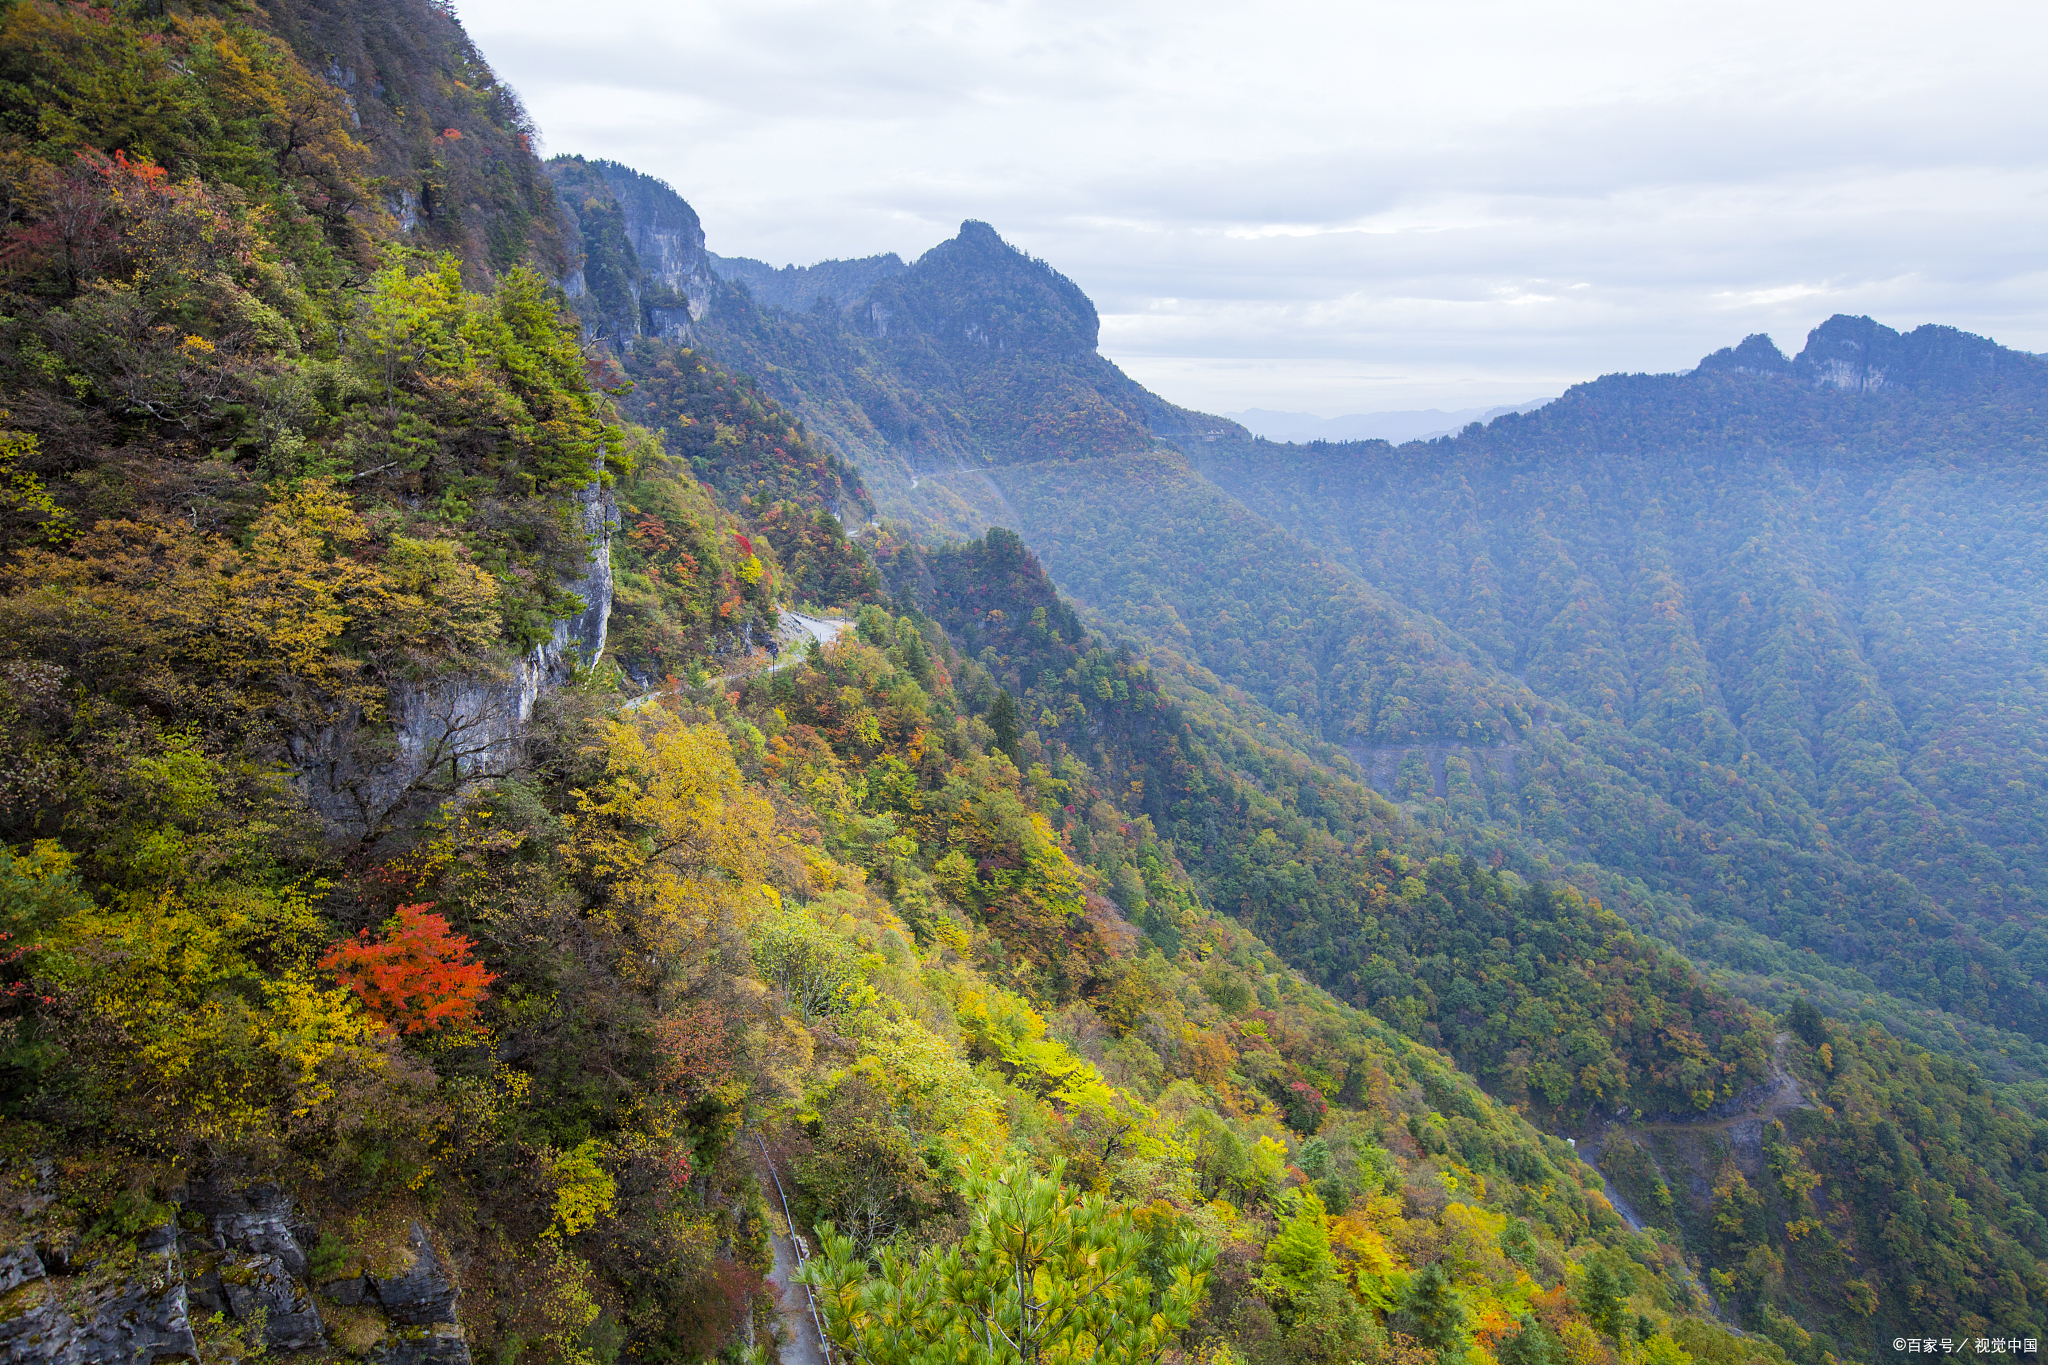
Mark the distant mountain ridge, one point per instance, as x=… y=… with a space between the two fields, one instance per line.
x=972 y=356
x=1398 y=426
x=1861 y=355
x=801 y=288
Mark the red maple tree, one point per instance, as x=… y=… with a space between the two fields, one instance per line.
x=418 y=977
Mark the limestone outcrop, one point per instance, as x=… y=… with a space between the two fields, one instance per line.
x=244 y=1272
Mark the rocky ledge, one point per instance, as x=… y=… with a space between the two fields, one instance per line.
x=231 y=1271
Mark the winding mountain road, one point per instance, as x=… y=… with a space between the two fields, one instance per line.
x=1743 y=1130
x=793 y=631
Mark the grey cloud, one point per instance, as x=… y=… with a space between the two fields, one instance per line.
x=1386 y=194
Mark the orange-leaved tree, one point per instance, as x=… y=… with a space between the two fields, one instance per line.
x=418 y=977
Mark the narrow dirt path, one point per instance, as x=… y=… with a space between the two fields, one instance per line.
x=801 y=1341
x=1742 y=1129
x=1782 y=1098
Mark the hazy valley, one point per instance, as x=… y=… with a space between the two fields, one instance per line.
x=1568 y=890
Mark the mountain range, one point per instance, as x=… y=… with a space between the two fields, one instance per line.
x=1424 y=424
x=1751 y=653
x=568 y=798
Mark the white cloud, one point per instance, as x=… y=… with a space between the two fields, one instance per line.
x=1343 y=206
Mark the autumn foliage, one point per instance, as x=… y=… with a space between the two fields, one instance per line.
x=418 y=978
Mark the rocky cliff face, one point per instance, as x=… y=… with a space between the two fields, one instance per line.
x=235 y=1263
x=641 y=269
x=1861 y=355
x=668 y=242
x=444 y=734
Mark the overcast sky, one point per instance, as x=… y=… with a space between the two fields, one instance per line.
x=1357 y=206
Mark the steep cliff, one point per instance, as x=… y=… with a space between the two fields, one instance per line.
x=924 y=375
x=450 y=150
x=641 y=268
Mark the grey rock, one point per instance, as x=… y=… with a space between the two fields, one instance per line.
x=205 y=1295
x=261 y=1235
x=19 y=1265
x=36 y=1328
x=255 y=1219
x=262 y=1284
x=348 y=1293
x=440 y=1344
x=447 y=733
x=425 y=1293
x=145 y=1324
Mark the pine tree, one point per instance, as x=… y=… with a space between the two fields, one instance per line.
x=1002 y=718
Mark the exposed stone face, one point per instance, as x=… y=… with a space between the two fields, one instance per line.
x=35 y=1328
x=255 y=1220
x=442 y=1344
x=262 y=1284
x=141 y=1322
x=424 y=1293
x=452 y=731
x=19 y=1265
x=665 y=233
x=348 y=1293
x=263 y=1237
x=404 y=1319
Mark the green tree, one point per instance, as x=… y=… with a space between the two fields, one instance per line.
x=1299 y=1259
x=1002 y=718
x=1039 y=1278
x=1804 y=1020
x=817 y=970
x=1432 y=1312
x=1602 y=1295
x=1533 y=1345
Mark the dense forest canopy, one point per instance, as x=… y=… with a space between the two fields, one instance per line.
x=1176 y=907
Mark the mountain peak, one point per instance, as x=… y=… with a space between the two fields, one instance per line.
x=1757 y=354
x=1862 y=355
x=977 y=233
x=981 y=291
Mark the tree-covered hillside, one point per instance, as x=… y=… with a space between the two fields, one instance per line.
x=442 y=917
x=1544 y=996
x=1840 y=590
x=1633 y=640
x=384 y=979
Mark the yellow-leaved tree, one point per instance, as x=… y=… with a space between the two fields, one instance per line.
x=678 y=845
x=198 y=1019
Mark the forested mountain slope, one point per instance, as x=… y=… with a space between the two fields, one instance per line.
x=1535 y=991
x=385 y=979
x=1841 y=589
x=1507 y=634
x=431 y=928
